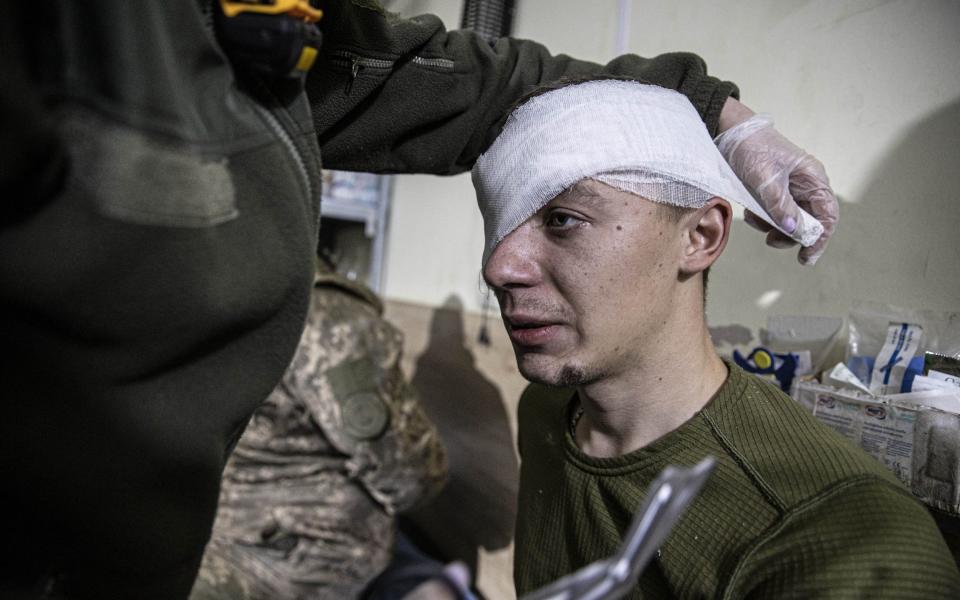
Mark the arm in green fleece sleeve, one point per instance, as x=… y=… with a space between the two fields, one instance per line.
x=861 y=539
x=405 y=95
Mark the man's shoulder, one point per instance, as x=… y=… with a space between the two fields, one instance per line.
x=346 y=318
x=328 y=281
x=832 y=501
x=862 y=538
x=788 y=453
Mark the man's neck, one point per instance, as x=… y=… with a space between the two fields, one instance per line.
x=628 y=411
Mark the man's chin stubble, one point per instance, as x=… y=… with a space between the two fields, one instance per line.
x=568 y=376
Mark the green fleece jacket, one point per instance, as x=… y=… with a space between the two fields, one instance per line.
x=792 y=510
x=157 y=234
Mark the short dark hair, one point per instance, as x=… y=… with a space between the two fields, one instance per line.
x=673 y=214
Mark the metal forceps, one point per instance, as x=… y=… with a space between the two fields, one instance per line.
x=667 y=498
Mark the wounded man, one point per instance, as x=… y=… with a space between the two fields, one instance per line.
x=605 y=203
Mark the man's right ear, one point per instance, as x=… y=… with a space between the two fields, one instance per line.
x=705 y=236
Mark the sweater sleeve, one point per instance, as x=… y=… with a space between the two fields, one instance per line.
x=862 y=539
x=405 y=95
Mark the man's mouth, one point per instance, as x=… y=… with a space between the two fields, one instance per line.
x=528 y=331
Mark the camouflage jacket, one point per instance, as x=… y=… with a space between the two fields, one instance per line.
x=309 y=496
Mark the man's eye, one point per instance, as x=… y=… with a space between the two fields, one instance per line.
x=562 y=220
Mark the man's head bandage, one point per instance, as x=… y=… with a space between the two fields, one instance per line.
x=638 y=138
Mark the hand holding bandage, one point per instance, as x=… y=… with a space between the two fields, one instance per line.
x=789 y=184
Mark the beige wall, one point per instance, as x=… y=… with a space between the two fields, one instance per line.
x=870 y=87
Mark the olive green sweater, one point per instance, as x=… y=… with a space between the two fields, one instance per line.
x=792 y=510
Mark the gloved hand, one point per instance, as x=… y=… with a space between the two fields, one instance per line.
x=790 y=184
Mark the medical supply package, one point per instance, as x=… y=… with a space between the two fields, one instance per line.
x=919 y=443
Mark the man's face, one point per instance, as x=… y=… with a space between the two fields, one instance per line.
x=586 y=283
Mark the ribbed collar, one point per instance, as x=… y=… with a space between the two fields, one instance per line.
x=659 y=452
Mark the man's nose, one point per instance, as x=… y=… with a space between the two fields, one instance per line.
x=514 y=261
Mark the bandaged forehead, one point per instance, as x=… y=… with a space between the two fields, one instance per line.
x=637 y=138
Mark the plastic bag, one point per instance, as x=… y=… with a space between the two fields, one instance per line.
x=886 y=343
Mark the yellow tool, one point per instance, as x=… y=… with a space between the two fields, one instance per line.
x=279 y=38
x=294 y=8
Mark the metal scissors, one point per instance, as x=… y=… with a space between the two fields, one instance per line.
x=667 y=498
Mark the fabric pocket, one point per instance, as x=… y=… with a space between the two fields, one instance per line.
x=141 y=178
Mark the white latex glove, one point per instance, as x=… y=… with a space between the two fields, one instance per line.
x=790 y=184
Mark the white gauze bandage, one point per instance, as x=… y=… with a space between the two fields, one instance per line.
x=638 y=138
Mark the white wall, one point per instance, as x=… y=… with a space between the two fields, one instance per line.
x=435 y=235
x=870 y=87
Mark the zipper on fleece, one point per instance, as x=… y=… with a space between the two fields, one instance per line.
x=441 y=64
x=355 y=62
x=288 y=142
